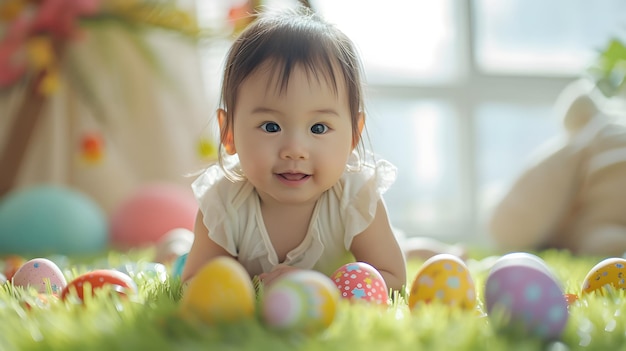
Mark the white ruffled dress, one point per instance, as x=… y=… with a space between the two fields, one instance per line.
x=232 y=214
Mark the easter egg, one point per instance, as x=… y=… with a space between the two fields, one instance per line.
x=39 y=301
x=41 y=274
x=610 y=272
x=359 y=281
x=150 y=212
x=221 y=291
x=523 y=296
x=174 y=243
x=443 y=279
x=570 y=298
x=97 y=279
x=178 y=266
x=50 y=219
x=144 y=271
x=304 y=301
x=10 y=265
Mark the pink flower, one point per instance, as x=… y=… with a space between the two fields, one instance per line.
x=59 y=17
x=53 y=17
x=12 y=57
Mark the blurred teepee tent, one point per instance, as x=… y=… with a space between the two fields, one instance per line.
x=101 y=95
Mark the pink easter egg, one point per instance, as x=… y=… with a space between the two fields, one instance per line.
x=360 y=281
x=150 y=212
x=37 y=273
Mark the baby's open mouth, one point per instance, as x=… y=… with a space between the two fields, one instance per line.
x=293 y=176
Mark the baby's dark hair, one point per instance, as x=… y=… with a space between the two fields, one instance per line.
x=290 y=38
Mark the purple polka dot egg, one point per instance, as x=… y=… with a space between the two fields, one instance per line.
x=523 y=296
x=42 y=274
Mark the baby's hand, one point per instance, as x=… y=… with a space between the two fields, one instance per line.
x=278 y=271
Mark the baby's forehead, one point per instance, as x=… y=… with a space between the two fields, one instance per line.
x=276 y=74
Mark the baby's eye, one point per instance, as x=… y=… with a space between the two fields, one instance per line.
x=270 y=127
x=319 y=128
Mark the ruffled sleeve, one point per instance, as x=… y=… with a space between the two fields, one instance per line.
x=219 y=199
x=360 y=193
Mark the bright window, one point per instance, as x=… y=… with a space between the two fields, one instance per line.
x=556 y=37
x=401 y=42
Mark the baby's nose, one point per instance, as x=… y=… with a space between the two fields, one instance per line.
x=294 y=148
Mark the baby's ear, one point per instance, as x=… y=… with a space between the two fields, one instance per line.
x=226 y=132
x=360 y=125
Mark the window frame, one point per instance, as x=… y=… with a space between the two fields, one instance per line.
x=466 y=94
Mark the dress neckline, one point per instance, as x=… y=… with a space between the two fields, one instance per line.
x=297 y=252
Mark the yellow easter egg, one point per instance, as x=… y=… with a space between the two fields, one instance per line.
x=221 y=291
x=443 y=279
x=609 y=272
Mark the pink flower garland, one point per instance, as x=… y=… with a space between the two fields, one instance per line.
x=54 y=18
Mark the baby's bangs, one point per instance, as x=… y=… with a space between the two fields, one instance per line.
x=305 y=43
x=317 y=68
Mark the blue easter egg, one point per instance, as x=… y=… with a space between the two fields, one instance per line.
x=179 y=265
x=49 y=219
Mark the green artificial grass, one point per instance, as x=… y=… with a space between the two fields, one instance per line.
x=151 y=320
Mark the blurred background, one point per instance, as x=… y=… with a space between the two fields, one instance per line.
x=460 y=93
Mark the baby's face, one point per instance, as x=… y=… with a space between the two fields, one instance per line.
x=292 y=144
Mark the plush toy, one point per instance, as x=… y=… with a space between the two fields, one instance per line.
x=573 y=195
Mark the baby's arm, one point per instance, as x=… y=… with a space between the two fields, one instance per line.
x=278 y=271
x=202 y=250
x=378 y=246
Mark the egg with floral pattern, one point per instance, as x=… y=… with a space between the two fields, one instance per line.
x=610 y=272
x=443 y=279
x=359 y=281
x=42 y=274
